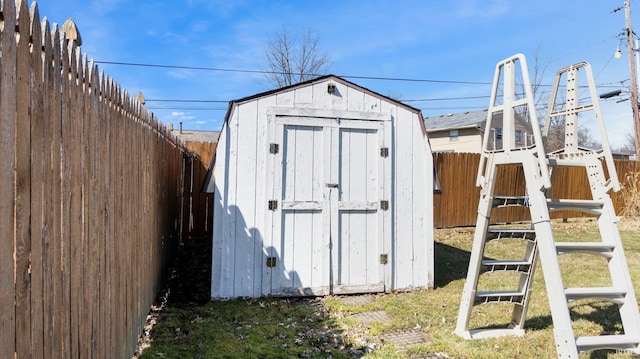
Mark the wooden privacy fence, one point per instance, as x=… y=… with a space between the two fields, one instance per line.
x=198 y=213
x=90 y=186
x=458 y=203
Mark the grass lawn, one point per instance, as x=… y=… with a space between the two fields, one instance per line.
x=191 y=326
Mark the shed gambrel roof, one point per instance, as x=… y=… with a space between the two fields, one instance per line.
x=454 y=121
x=335 y=78
x=207 y=185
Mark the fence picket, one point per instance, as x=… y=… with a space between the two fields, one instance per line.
x=51 y=201
x=61 y=62
x=7 y=164
x=39 y=229
x=23 y=184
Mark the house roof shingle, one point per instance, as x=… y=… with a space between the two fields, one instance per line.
x=456 y=121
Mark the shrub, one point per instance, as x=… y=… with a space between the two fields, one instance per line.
x=630 y=192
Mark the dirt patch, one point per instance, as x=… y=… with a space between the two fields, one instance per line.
x=189 y=281
x=188 y=284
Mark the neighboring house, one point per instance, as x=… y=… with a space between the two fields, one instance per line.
x=323 y=187
x=465 y=131
x=622 y=155
x=195 y=135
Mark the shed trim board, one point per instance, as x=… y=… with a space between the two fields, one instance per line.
x=329 y=113
x=318 y=193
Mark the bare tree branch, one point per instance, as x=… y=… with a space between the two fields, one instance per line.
x=630 y=143
x=293 y=59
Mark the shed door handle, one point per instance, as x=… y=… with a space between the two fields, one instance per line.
x=332 y=185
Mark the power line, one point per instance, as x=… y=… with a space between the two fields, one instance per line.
x=181 y=100
x=453 y=108
x=271 y=72
x=414 y=80
x=187 y=108
x=445 y=98
x=411 y=100
x=401 y=100
x=380 y=78
x=199 y=68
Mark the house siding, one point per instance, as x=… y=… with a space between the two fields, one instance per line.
x=469 y=141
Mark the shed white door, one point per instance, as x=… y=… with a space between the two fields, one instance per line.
x=328 y=228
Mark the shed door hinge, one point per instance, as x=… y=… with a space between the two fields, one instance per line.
x=273 y=205
x=271 y=262
x=384 y=205
x=384 y=152
x=273 y=148
x=383 y=259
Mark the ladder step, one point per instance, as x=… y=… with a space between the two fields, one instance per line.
x=619 y=342
x=507 y=201
x=572 y=159
x=580 y=205
x=500 y=296
x=511 y=233
x=491 y=265
x=599 y=248
x=614 y=295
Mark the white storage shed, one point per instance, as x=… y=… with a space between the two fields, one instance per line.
x=323 y=187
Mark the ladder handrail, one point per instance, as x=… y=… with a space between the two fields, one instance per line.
x=573 y=108
x=508 y=117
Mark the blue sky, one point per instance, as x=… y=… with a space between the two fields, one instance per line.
x=446 y=41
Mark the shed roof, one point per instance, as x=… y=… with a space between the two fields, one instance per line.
x=453 y=121
x=207 y=185
x=335 y=78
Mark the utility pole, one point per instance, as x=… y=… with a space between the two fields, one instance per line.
x=632 y=74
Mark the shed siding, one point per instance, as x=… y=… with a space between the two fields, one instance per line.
x=244 y=183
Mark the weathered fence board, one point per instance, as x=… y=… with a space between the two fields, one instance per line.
x=199 y=209
x=24 y=73
x=7 y=199
x=458 y=203
x=89 y=201
x=39 y=230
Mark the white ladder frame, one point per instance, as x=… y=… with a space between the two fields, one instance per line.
x=538 y=176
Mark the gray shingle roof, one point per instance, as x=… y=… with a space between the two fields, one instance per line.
x=456 y=120
x=197 y=135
